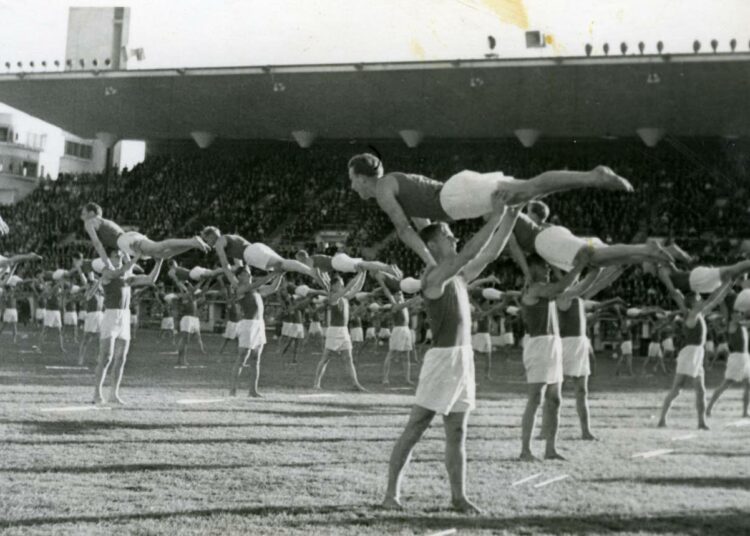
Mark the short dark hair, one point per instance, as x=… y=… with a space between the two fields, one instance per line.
x=539 y=209
x=93 y=207
x=210 y=230
x=366 y=164
x=431 y=231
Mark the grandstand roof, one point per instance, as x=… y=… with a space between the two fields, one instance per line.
x=690 y=95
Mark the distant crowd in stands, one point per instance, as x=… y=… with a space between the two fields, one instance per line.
x=694 y=190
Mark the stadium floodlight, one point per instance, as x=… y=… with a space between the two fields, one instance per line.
x=659 y=47
x=606 y=49
x=624 y=48
x=641 y=47
x=95 y=63
x=7 y=65
x=589 y=49
x=696 y=46
x=733 y=44
x=714 y=45
x=81 y=63
x=492 y=42
x=107 y=61
x=31 y=64
x=57 y=63
x=44 y=64
x=19 y=65
x=69 y=63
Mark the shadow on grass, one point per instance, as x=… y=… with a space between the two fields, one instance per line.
x=201 y=441
x=731 y=522
x=696 y=482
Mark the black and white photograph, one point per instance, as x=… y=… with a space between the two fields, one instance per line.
x=373 y=267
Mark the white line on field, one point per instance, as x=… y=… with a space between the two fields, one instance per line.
x=400 y=389
x=737 y=424
x=317 y=395
x=684 y=437
x=551 y=481
x=523 y=480
x=189 y=366
x=652 y=453
x=200 y=400
x=443 y=532
x=169 y=353
x=55 y=367
x=75 y=408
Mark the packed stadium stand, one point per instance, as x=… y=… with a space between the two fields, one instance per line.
x=279 y=193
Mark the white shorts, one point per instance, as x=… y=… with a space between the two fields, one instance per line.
x=344 y=263
x=506 y=339
x=82 y=316
x=286 y=328
x=668 y=345
x=338 y=339
x=197 y=273
x=384 y=333
x=126 y=241
x=296 y=331
x=230 y=331
x=39 y=315
x=70 y=318
x=654 y=349
x=190 y=324
x=260 y=256
x=400 y=340
x=356 y=335
x=167 y=323
x=704 y=280
x=446 y=380
x=315 y=329
x=93 y=322
x=690 y=361
x=723 y=348
x=559 y=247
x=626 y=347
x=709 y=347
x=115 y=324
x=525 y=340
x=133 y=319
x=575 y=356
x=370 y=333
x=428 y=336
x=738 y=367
x=10 y=316
x=52 y=319
x=481 y=342
x=468 y=194
x=251 y=333
x=542 y=358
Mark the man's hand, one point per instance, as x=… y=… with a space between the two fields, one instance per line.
x=396 y=272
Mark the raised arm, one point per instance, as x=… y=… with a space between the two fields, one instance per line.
x=578 y=289
x=388 y=202
x=552 y=290
x=705 y=307
x=494 y=247
x=147 y=280
x=224 y=261
x=519 y=257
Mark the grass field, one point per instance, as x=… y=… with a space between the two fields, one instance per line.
x=181 y=458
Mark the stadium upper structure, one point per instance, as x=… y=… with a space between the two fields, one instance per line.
x=683 y=95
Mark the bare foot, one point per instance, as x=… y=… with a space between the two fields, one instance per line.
x=98 y=401
x=465 y=506
x=200 y=244
x=609 y=180
x=528 y=457
x=357 y=387
x=409 y=382
x=703 y=426
x=390 y=503
x=658 y=252
x=255 y=394
x=679 y=254
x=588 y=436
x=662 y=423
x=554 y=455
x=316 y=387
x=116 y=400
x=386 y=382
x=233 y=392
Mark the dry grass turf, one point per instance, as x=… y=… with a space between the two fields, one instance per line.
x=182 y=458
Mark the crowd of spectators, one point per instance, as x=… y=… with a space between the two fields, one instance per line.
x=693 y=191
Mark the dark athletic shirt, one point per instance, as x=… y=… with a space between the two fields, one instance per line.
x=322 y=262
x=572 y=322
x=450 y=315
x=681 y=280
x=400 y=318
x=251 y=305
x=116 y=294
x=419 y=197
x=526 y=231
x=340 y=313
x=738 y=341
x=235 y=248
x=539 y=318
x=695 y=336
x=108 y=233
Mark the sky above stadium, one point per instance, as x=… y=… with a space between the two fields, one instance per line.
x=194 y=33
